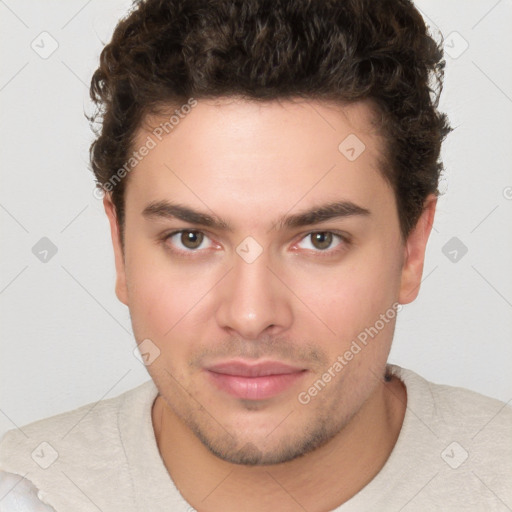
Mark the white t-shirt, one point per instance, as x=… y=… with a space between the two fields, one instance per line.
x=454 y=453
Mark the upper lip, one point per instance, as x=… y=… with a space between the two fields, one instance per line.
x=260 y=369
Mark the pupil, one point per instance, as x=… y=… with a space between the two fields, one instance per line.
x=191 y=239
x=322 y=240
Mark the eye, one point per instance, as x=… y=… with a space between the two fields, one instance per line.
x=189 y=239
x=320 y=241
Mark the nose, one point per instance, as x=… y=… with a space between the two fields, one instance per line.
x=253 y=301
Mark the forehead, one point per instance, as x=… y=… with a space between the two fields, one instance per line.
x=272 y=125
x=256 y=155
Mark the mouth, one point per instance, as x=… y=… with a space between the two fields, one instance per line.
x=256 y=381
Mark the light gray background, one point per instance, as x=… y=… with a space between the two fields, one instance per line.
x=65 y=340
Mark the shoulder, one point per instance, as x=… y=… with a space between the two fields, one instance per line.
x=456 y=409
x=463 y=438
x=455 y=446
x=86 y=425
x=85 y=441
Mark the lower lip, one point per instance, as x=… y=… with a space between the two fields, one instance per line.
x=255 y=388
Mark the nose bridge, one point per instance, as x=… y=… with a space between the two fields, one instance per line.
x=252 y=299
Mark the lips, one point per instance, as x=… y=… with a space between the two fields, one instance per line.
x=257 y=381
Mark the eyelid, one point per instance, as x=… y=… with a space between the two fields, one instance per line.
x=344 y=237
x=190 y=252
x=345 y=240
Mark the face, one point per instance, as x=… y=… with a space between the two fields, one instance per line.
x=264 y=263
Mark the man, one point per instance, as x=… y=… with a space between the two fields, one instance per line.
x=270 y=173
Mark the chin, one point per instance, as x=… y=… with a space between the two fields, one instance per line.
x=267 y=450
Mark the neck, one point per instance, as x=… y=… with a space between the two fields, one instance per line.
x=318 y=481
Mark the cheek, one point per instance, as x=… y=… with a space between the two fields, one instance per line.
x=165 y=297
x=364 y=284
x=170 y=300
x=156 y=293
x=349 y=299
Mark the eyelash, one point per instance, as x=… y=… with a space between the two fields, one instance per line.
x=345 y=241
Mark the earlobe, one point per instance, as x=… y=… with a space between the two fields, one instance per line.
x=121 y=288
x=414 y=255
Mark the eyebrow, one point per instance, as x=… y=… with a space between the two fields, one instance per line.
x=321 y=213
x=340 y=209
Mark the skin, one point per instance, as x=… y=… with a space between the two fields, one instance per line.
x=298 y=302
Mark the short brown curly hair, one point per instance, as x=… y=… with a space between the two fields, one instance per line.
x=166 y=51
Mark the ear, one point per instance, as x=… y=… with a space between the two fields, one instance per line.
x=414 y=252
x=121 y=289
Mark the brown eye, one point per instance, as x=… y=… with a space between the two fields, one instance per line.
x=191 y=239
x=321 y=240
